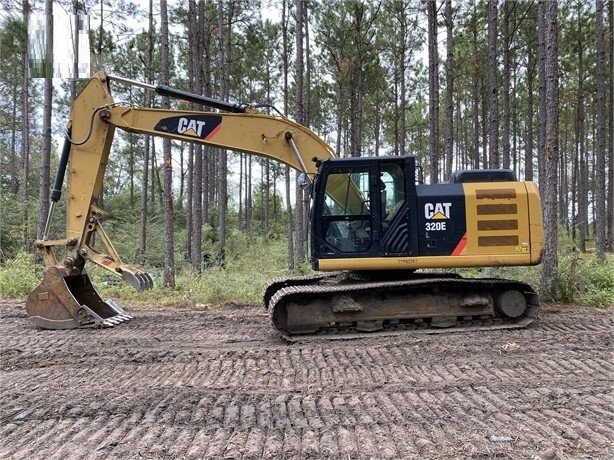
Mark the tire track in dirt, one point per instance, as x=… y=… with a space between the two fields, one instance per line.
x=421 y=433
x=174 y=384
x=282 y=368
x=265 y=411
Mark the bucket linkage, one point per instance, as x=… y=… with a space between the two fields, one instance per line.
x=66 y=298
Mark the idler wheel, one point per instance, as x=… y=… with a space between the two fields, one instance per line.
x=512 y=303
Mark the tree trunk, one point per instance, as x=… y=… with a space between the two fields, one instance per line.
x=198 y=23
x=493 y=138
x=541 y=84
x=25 y=141
x=601 y=140
x=475 y=96
x=528 y=153
x=610 y=85
x=433 y=91
x=563 y=186
x=449 y=144
x=289 y=229
x=189 y=206
x=266 y=198
x=340 y=151
x=307 y=119
x=224 y=31
x=207 y=158
x=551 y=152
x=286 y=93
x=45 y=172
x=307 y=67
x=506 y=83
x=167 y=192
x=515 y=113
x=402 y=63
x=14 y=174
x=144 y=201
x=581 y=220
x=485 y=130
x=249 y=202
x=147 y=151
x=301 y=230
x=189 y=202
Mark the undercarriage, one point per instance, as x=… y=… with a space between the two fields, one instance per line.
x=346 y=303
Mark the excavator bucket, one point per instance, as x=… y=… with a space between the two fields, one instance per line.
x=68 y=302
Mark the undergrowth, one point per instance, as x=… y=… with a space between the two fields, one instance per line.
x=583 y=278
x=252 y=262
x=18 y=277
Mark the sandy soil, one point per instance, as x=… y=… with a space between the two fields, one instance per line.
x=219 y=383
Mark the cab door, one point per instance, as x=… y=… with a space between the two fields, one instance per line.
x=342 y=212
x=363 y=208
x=397 y=204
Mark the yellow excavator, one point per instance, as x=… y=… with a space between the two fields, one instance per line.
x=380 y=237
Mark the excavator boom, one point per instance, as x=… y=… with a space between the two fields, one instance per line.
x=66 y=298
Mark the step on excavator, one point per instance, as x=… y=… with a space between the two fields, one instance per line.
x=384 y=246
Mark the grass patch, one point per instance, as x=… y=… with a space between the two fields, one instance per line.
x=18 y=277
x=584 y=279
x=252 y=262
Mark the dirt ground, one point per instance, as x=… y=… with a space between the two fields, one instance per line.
x=218 y=382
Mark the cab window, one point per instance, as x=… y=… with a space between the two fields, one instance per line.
x=347 y=210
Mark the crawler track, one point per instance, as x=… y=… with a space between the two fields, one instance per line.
x=339 y=304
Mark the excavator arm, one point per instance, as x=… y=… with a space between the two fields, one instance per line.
x=66 y=298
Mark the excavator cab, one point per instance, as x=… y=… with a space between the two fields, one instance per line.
x=374 y=214
x=361 y=208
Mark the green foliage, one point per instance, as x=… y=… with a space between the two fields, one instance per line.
x=584 y=279
x=362 y=51
x=13 y=42
x=581 y=277
x=18 y=277
x=529 y=275
x=11 y=225
x=274 y=204
x=251 y=262
x=600 y=290
x=242 y=280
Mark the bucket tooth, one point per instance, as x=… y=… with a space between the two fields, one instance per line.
x=140 y=281
x=119 y=311
x=68 y=302
x=110 y=322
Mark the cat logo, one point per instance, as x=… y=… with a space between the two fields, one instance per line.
x=437 y=210
x=190 y=127
x=198 y=126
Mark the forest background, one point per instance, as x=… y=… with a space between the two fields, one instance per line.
x=525 y=85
